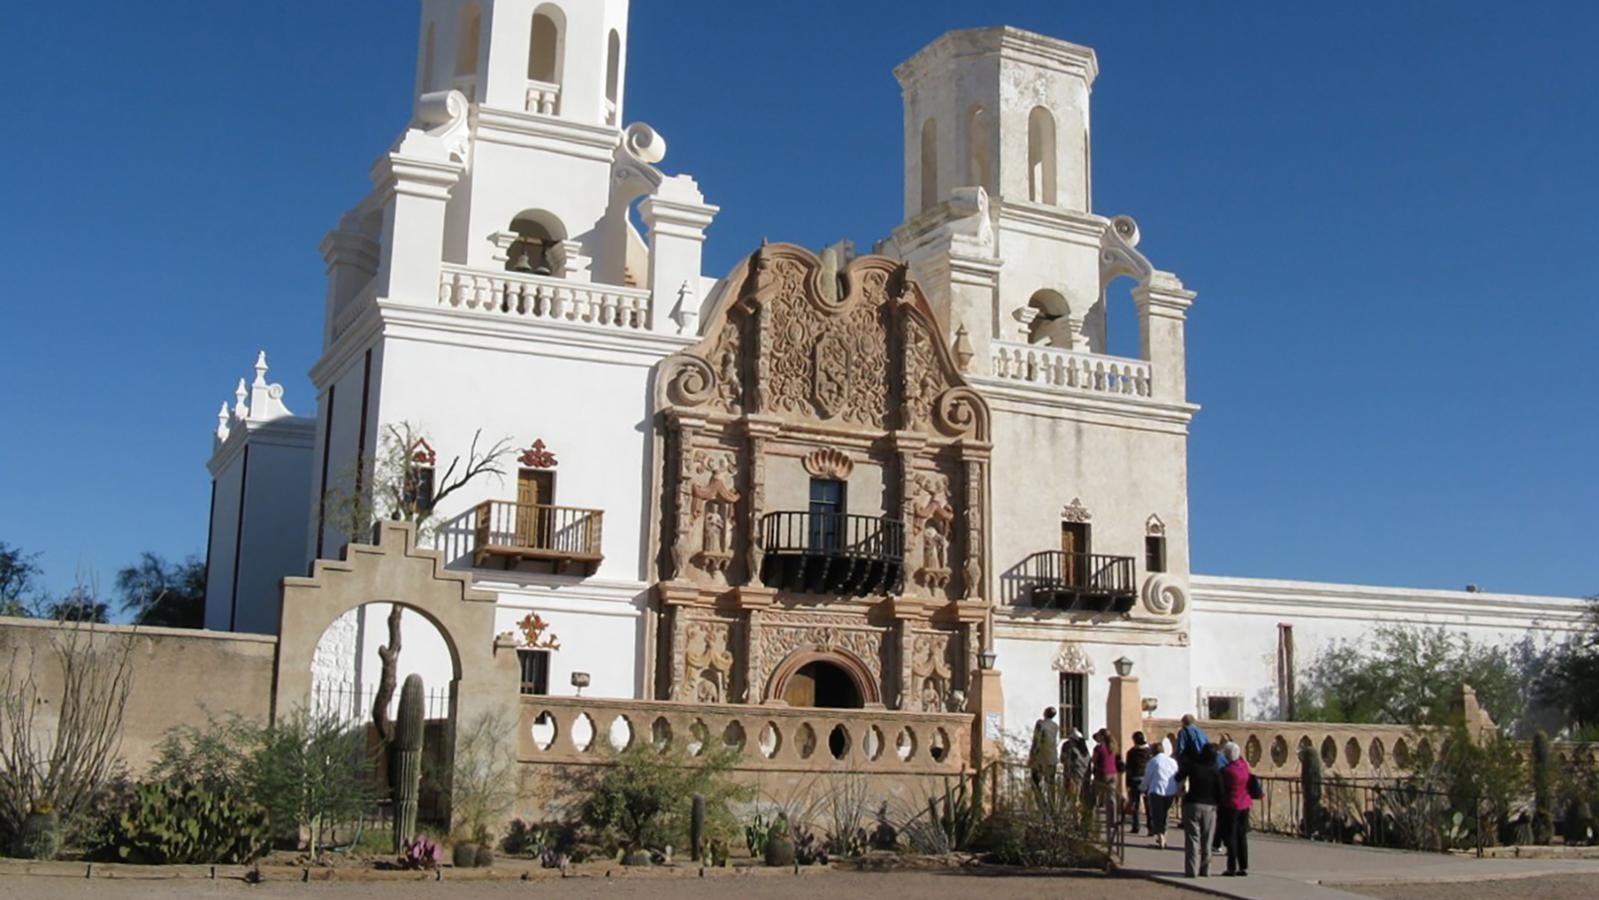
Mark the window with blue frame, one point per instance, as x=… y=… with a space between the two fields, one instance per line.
x=827 y=514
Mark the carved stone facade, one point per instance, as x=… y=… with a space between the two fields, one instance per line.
x=832 y=369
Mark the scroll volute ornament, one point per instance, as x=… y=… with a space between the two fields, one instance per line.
x=829 y=462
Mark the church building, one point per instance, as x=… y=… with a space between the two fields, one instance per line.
x=824 y=478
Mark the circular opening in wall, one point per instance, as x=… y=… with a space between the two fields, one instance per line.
x=770 y=741
x=1279 y=751
x=1252 y=751
x=806 y=740
x=582 y=733
x=543 y=731
x=838 y=741
x=733 y=736
x=661 y=734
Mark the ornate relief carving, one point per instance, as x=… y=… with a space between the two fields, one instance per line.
x=831 y=377
x=829 y=462
x=931 y=518
x=707 y=662
x=932 y=668
x=783 y=633
x=1075 y=511
x=689 y=380
x=961 y=413
x=1072 y=658
x=973 y=573
x=1154 y=527
x=538 y=456
x=924 y=377
x=1164 y=595
x=729 y=385
x=711 y=509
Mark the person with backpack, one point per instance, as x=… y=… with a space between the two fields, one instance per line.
x=1240 y=789
x=1200 y=802
x=1137 y=759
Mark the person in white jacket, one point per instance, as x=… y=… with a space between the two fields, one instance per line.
x=1160 y=787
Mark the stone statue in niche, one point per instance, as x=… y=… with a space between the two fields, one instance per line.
x=931 y=520
x=711 y=509
x=931 y=670
x=707 y=663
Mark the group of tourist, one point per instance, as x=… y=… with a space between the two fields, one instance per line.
x=1213 y=781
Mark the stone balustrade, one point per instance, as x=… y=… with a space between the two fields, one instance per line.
x=543 y=297
x=1346 y=750
x=581 y=730
x=543 y=98
x=1272 y=748
x=1068 y=370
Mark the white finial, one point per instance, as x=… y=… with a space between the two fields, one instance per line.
x=240 y=411
x=222 y=422
x=260 y=369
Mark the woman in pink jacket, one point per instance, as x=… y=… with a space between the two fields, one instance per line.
x=1234 y=809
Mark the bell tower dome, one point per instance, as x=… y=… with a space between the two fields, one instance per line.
x=561 y=58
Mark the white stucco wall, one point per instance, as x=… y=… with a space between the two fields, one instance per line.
x=1235 y=623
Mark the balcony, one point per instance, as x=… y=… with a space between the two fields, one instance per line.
x=513 y=533
x=1081 y=582
x=832 y=553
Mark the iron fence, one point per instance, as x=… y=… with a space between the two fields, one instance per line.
x=351 y=704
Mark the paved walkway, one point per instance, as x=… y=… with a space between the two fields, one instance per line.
x=1285 y=867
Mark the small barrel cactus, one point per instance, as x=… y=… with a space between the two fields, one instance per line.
x=40 y=835
x=407 y=759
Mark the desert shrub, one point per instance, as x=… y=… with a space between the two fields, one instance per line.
x=179 y=823
x=312 y=772
x=486 y=779
x=1037 y=834
x=642 y=800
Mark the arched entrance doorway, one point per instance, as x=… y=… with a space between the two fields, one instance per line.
x=822 y=684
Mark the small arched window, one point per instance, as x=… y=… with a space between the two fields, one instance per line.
x=534 y=250
x=1041 y=156
x=929 y=164
x=427 y=61
x=544 y=54
x=613 y=75
x=1052 y=324
x=980 y=159
x=467 y=45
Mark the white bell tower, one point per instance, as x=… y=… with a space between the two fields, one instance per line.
x=563 y=58
x=998 y=224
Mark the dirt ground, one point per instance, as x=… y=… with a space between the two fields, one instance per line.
x=1546 y=887
x=831 y=885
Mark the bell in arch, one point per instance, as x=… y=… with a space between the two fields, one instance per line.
x=522 y=260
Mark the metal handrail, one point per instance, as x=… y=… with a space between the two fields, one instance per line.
x=833 y=534
x=542 y=527
x=1063 y=570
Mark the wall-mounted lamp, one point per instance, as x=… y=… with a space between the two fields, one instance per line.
x=1124 y=666
x=985 y=660
x=580 y=680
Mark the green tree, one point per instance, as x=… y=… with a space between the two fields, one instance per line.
x=643 y=801
x=158 y=592
x=1407 y=675
x=312 y=773
x=79 y=605
x=1570 y=679
x=19 y=578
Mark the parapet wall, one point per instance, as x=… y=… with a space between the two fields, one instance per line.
x=178 y=676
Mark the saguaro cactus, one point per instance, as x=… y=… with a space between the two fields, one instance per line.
x=407 y=760
x=1543 y=810
x=1310 y=787
x=696 y=827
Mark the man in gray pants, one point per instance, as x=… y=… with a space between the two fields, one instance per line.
x=1199 y=812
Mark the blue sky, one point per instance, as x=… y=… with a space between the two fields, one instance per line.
x=1389 y=211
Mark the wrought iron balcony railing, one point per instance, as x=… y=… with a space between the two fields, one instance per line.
x=832 y=553
x=1085 y=582
x=514 y=532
